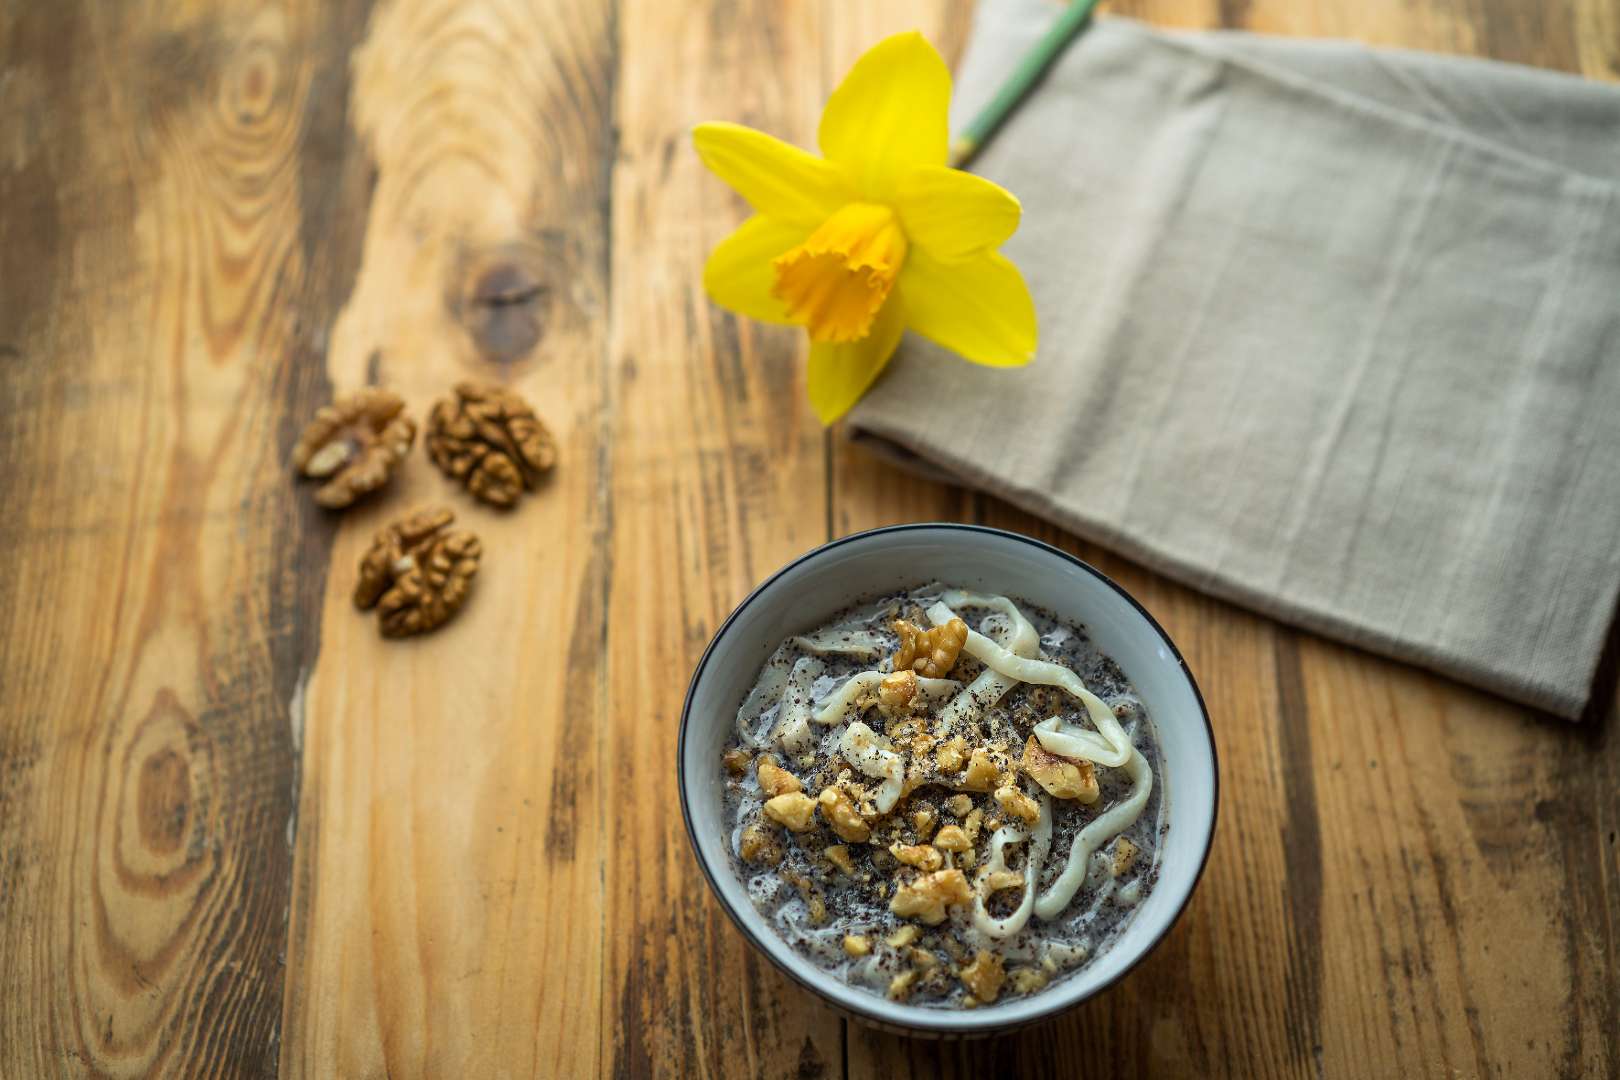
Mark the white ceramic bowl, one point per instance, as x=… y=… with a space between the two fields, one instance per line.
x=804 y=593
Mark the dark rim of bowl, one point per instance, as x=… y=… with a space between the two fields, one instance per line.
x=876 y=1017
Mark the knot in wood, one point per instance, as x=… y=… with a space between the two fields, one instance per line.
x=502 y=309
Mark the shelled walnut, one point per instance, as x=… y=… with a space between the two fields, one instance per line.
x=838 y=855
x=926 y=898
x=417 y=574
x=354 y=444
x=981 y=772
x=897 y=691
x=931 y=653
x=1060 y=777
x=985 y=976
x=774 y=779
x=996 y=880
x=922 y=856
x=839 y=812
x=794 y=810
x=1016 y=803
x=1125 y=854
x=758 y=845
x=490 y=439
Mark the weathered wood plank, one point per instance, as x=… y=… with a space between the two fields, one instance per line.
x=448 y=880
x=161 y=288
x=718 y=476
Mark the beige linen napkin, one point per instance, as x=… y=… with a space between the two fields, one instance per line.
x=1329 y=331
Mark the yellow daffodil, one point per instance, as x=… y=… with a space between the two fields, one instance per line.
x=876 y=236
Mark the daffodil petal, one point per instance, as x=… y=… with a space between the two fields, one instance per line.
x=952 y=214
x=889 y=114
x=840 y=374
x=777 y=178
x=978 y=308
x=738 y=275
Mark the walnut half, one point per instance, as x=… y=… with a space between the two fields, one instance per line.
x=354 y=444
x=490 y=439
x=417 y=574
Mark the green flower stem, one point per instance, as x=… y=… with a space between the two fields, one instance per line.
x=1029 y=71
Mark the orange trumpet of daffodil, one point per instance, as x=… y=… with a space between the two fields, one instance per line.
x=874 y=237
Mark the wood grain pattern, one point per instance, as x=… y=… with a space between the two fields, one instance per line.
x=154 y=242
x=717 y=478
x=241 y=835
x=448 y=884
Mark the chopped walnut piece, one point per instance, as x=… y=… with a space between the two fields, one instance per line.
x=970 y=825
x=490 y=439
x=959 y=805
x=922 y=856
x=951 y=755
x=839 y=812
x=900 y=985
x=1125 y=854
x=795 y=810
x=1060 y=777
x=1026 y=980
x=902 y=937
x=997 y=880
x=985 y=976
x=354 y=444
x=838 y=855
x=923 y=960
x=857 y=944
x=775 y=780
x=930 y=653
x=759 y=845
x=952 y=838
x=897 y=691
x=736 y=761
x=818 y=911
x=981 y=772
x=923 y=820
x=926 y=898
x=1019 y=805
x=416 y=574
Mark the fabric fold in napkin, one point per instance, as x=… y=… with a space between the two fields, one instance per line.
x=1329 y=331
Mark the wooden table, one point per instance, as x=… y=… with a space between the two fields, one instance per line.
x=242 y=835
